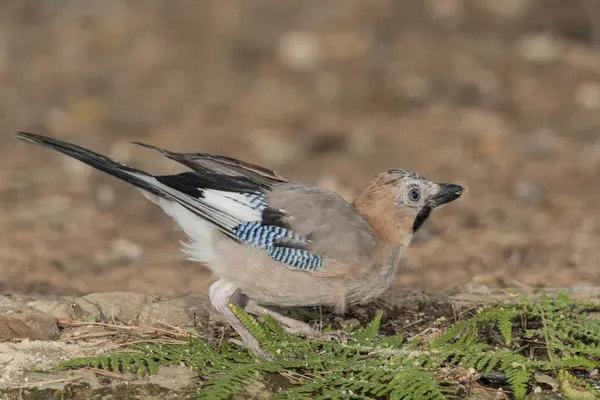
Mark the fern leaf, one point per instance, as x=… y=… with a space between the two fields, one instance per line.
x=369 y=333
x=574 y=388
x=505 y=326
x=393 y=341
x=274 y=325
x=453 y=332
x=517 y=378
x=256 y=329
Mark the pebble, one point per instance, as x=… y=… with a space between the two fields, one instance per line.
x=299 y=50
x=126 y=248
x=540 y=47
x=587 y=95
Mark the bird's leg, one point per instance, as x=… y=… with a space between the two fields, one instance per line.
x=219 y=294
x=294 y=326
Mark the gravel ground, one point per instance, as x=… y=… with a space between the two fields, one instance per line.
x=500 y=96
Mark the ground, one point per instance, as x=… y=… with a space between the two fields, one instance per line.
x=501 y=97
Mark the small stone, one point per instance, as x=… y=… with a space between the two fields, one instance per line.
x=126 y=248
x=299 y=50
x=34 y=326
x=587 y=95
x=541 y=47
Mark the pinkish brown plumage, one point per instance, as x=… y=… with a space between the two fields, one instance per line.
x=279 y=242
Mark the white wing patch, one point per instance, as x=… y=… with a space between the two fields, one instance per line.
x=241 y=206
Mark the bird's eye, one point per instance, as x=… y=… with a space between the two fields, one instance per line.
x=414 y=195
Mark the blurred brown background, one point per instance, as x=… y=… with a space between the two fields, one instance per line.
x=502 y=96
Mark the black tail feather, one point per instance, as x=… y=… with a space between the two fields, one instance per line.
x=96 y=160
x=184 y=189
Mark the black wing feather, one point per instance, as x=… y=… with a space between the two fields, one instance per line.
x=221 y=165
x=191 y=182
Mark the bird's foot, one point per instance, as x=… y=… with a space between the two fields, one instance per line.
x=254 y=348
x=311 y=333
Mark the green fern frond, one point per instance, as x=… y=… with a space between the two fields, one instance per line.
x=517 y=376
x=392 y=341
x=576 y=389
x=369 y=333
x=257 y=330
x=552 y=335
x=235 y=379
x=505 y=325
x=274 y=326
x=451 y=333
x=140 y=364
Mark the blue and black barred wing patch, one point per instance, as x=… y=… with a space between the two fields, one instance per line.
x=277 y=241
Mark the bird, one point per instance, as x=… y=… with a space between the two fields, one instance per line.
x=270 y=241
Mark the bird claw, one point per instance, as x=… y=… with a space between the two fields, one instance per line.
x=335 y=336
x=256 y=350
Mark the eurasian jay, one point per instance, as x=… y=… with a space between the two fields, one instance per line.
x=272 y=241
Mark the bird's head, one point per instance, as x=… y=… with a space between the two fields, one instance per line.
x=397 y=202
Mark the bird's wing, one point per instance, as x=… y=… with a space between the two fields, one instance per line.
x=206 y=162
x=301 y=226
x=330 y=226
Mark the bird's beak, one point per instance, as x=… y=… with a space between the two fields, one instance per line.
x=449 y=192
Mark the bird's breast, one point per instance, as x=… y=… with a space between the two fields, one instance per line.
x=376 y=280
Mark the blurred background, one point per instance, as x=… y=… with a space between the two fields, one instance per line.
x=502 y=96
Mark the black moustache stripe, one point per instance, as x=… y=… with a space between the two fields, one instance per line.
x=422 y=216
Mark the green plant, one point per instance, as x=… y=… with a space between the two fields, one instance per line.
x=552 y=335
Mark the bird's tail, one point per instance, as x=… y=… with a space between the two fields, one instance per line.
x=134 y=176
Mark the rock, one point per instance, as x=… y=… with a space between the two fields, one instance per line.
x=61 y=307
x=119 y=306
x=485 y=394
x=6 y=304
x=182 y=310
x=34 y=326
